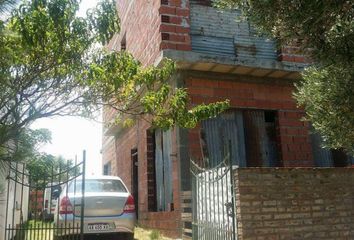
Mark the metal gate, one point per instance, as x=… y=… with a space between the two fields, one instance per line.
x=47 y=207
x=213 y=211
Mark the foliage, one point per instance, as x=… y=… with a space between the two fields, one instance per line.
x=325 y=30
x=139 y=91
x=328 y=96
x=45 y=168
x=24 y=144
x=155 y=235
x=51 y=65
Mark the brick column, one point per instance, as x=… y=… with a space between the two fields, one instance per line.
x=175 y=25
x=294 y=139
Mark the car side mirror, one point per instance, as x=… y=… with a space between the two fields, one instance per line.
x=55 y=193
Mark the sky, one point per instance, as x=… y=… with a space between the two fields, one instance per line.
x=72 y=135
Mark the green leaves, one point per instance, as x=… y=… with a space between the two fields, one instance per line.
x=327 y=93
x=52 y=65
x=135 y=90
x=104 y=21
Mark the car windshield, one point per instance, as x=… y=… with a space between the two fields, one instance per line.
x=98 y=185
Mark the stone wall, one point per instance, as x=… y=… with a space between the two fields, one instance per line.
x=294 y=204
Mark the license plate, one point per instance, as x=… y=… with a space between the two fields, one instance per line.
x=99 y=227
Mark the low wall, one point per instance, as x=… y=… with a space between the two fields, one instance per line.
x=298 y=203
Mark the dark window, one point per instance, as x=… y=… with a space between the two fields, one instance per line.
x=249 y=136
x=135 y=178
x=123 y=43
x=107 y=169
x=203 y=2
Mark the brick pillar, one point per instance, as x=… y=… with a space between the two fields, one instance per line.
x=175 y=25
x=294 y=139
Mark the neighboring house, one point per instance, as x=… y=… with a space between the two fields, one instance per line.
x=219 y=57
x=7 y=192
x=36 y=203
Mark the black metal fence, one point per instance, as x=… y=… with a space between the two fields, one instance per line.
x=213 y=211
x=45 y=206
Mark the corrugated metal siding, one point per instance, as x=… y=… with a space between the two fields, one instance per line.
x=221 y=33
x=163 y=169
x=218 y=133
x=322 y=156
x=220 y=46
x=167 y=146
x=160 y=193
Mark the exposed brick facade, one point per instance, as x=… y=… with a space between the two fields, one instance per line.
x=175 y=25
x=295 y=204
x=139 y=137
x=293 y=134
x=148 y=28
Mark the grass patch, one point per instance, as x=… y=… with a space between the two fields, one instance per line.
x=145 y=234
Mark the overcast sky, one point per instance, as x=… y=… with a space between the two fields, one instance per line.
x=71 y=135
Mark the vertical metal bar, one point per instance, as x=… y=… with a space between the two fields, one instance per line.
x=74 y=209
x=50 y=204
x=38 y=230
x=218 y=198
x=50 y=186
x=33 y=236
x=66 y=194
x=14 y=203
x=46 y=230
x=43 y=192
x=214 y=196
x=83 y=196
x=30 y=206
x=36 y=203
x=57 y=225
x=7 y=230
x=77 y=231
x=7 y=199
x=21 y=202
x=232 y=198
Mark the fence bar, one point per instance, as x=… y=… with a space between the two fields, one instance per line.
x=83 y=196
x=232 y=194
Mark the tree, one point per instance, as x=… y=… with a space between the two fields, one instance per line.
x=45 y=168
x=51 y=65
x=325 y=31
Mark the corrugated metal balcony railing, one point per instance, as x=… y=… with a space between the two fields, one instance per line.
x=223 y=33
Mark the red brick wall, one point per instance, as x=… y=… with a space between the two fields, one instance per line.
x=140 y=22
x=295 y=204
x=136 y=137
x=151 y=26
x=295 y=148
x=175 y=25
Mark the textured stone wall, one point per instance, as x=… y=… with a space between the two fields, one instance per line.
x=295 y=204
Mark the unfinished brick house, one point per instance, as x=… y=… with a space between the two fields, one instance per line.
x=218 y=58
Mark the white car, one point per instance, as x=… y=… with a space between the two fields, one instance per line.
x=109 y=208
